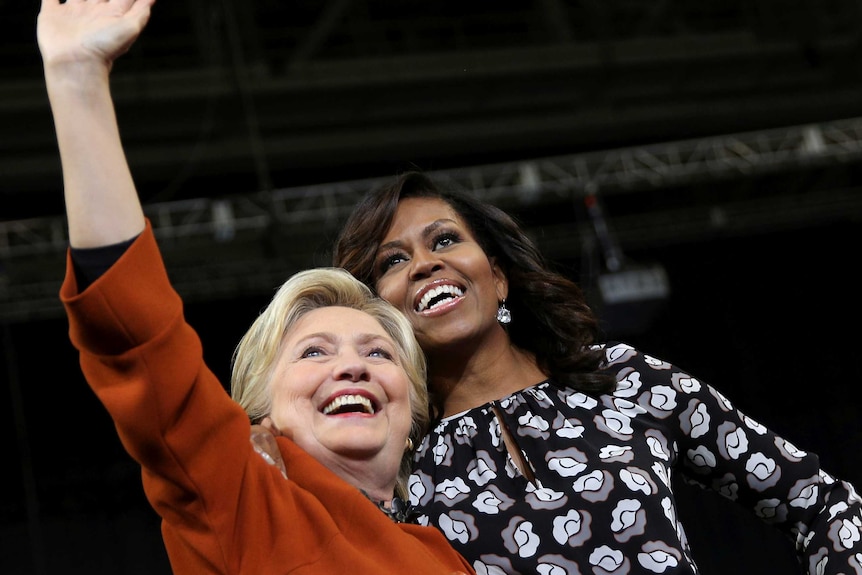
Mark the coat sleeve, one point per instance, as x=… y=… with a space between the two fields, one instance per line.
x=173 y=416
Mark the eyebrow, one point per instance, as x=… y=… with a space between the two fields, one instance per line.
x=362 y=338
x=426 y=231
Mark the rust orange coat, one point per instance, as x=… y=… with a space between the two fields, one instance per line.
x=224 y=509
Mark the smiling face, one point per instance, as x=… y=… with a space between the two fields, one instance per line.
x=431 y=267
x=339 y=391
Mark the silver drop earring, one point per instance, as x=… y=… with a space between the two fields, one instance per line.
x=504 y=316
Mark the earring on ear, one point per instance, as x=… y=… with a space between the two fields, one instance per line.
x=409 y=444
x=504 y=316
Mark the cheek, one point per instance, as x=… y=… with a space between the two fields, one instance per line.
x=283 y=407
x=291 y=413
x=404 y=390
x=481 y=270
x=292 y=388
x=392 y=290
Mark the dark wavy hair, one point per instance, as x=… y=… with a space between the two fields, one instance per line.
x=551 y=318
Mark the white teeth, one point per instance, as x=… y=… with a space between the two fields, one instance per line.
x=354 y=400
x=453 y=291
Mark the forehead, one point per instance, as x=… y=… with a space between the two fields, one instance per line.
x=420 y=212
x=342 y=322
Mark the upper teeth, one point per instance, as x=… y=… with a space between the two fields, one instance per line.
x=350 y=399
x=439 y=290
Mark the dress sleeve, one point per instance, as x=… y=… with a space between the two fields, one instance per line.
x=90 y=263
x=723 y=449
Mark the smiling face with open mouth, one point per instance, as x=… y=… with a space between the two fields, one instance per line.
x=431 y=267
x=339 y=391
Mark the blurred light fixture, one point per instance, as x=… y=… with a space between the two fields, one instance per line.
x=627 y=296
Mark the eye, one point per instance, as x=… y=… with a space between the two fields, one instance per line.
x=311 y=351
x=381 y=353
x=444 y=240
x=389 y=260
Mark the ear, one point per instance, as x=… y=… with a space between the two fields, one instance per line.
x=501 y=282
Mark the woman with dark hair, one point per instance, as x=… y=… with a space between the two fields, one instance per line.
x=553 y=452
x=554 y=320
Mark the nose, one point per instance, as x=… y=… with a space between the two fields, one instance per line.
x=424 y=263
x=351 y=366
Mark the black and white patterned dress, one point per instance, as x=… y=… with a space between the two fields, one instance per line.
x=602 y=502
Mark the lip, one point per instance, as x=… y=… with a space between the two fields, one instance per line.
x=432 y=285
x=376 y=404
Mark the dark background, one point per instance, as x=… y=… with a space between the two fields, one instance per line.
x=722 y=139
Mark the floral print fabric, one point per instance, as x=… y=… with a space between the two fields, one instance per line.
x=601 y=500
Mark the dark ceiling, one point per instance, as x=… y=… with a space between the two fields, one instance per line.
x=723 y=138
x=745 y=114
x=225 y=96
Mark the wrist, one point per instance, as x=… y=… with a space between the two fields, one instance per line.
x=83 y=74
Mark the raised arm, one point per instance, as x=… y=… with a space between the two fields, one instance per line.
x=79 y=41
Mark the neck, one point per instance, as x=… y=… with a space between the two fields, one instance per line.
x=381 y=503
x=491 y=372
x=371 y=476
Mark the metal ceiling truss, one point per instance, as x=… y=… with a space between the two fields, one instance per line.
x=248 y=243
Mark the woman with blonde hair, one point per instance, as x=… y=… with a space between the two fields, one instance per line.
x=334 y=373
x=259 y=348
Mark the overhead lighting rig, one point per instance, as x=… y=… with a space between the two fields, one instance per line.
x=627 y=295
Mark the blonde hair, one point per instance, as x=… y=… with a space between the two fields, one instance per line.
x=255 y=356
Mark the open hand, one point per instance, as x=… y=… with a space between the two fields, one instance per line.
x=85 y=31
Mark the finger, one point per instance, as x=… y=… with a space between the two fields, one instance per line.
x=265 y=445
x=52 y=4
x=140 y=11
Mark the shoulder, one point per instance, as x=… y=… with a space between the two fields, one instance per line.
x=620 y=354
x=635 y=369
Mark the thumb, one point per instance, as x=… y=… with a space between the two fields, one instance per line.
x=264 y=443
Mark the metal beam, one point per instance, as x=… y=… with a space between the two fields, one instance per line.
x=261 y=237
